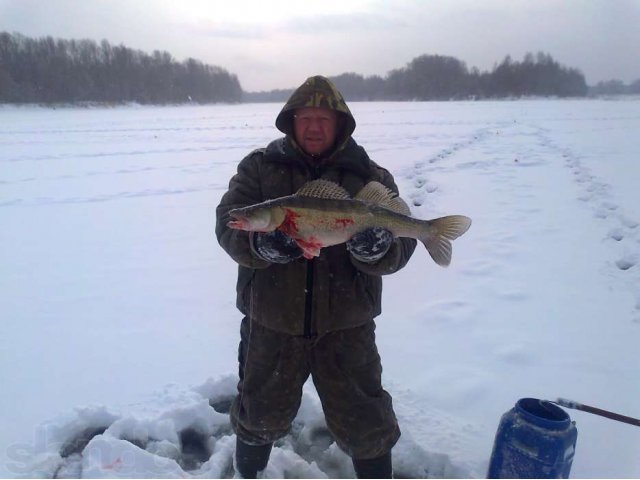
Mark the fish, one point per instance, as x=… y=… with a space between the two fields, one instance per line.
x=322 y=213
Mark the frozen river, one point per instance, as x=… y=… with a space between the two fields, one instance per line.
x=118 y=304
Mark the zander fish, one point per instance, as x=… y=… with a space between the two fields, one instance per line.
x=323 y=213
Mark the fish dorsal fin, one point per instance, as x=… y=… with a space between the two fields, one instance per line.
x=378 y=194
x=323 y=189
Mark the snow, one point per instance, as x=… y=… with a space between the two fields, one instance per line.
x=119 y=330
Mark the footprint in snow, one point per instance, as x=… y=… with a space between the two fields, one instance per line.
x=627 y=262
x=629 y=222
x=616 y=234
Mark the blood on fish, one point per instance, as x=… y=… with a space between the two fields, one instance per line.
x=239 y=224
x=289 y=225
x=310 y=247
x=344 y=222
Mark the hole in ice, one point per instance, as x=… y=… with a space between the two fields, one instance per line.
x=77 y=444
x=322 y=437
x=222 y=404
x=70 y=468
x=195 y=450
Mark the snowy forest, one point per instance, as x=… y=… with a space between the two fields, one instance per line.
x=436 y=77
x=48 y=70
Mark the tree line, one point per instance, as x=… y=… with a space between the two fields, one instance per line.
x=615 y=87
x=48 y=70
x=436 y=77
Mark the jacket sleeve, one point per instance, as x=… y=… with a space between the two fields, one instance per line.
x=244 y=189
x=401 y=249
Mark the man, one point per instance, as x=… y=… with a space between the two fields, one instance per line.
x=310 y=317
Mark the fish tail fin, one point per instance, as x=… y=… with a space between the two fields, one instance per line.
x=438 y=244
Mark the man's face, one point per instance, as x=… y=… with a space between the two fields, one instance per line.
x=315 y=129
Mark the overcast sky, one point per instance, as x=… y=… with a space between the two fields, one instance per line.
x=277 y=44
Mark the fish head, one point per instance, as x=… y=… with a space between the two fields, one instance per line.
x=255 y=219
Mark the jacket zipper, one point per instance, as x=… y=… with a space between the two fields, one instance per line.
x=308 y=300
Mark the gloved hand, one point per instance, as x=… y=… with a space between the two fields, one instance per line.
x=371 y=244
x=276 y=247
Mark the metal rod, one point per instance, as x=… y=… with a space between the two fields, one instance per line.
x=563 y=402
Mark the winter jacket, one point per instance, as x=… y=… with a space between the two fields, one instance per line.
x=333 y=291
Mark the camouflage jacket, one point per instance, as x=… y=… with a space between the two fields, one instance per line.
x=333 y=291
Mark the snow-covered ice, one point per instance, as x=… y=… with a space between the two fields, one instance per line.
x=118 y=339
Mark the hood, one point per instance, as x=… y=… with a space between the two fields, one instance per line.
x=318 y=91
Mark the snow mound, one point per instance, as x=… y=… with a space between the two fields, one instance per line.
x=185 y=433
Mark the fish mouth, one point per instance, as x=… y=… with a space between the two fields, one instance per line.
x=239 y=222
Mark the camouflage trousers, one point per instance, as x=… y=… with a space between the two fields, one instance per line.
x=346 y=371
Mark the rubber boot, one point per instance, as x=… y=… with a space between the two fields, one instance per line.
x=379 y=467
x=251 y=459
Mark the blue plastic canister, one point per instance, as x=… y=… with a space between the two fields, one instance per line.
x=535 y=439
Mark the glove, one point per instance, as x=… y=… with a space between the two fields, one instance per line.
x=370 y=245
x=276 y=247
